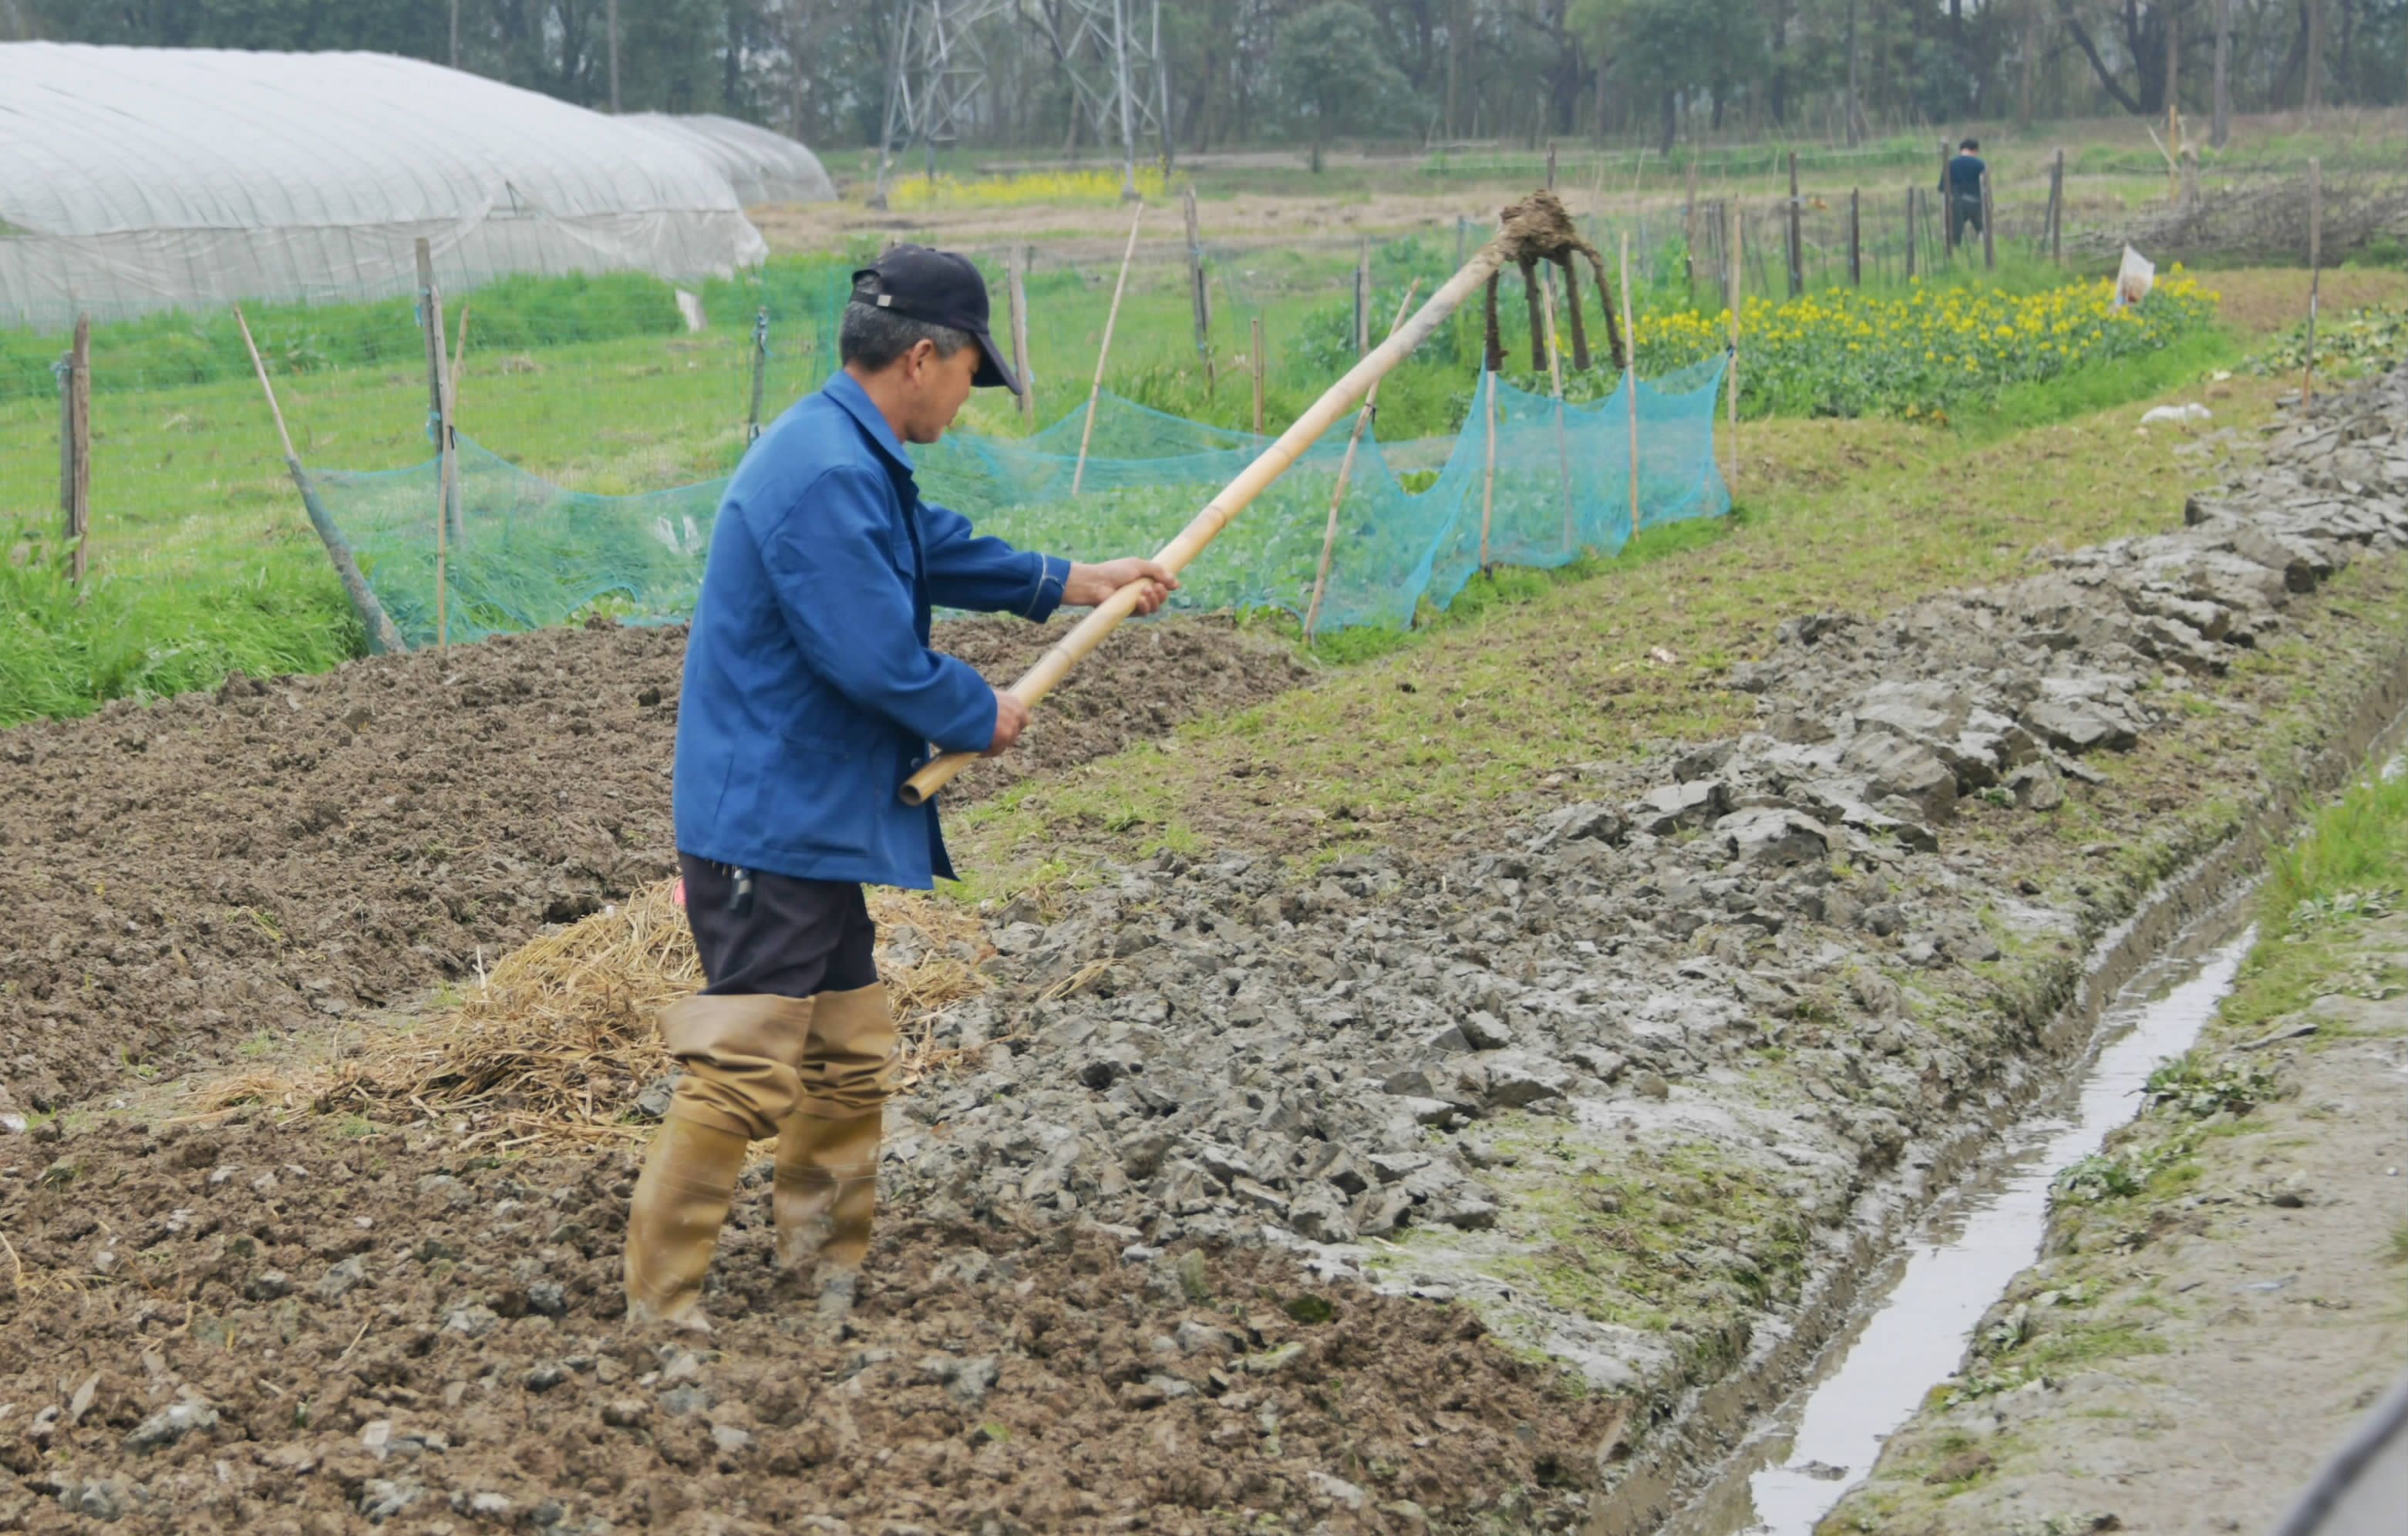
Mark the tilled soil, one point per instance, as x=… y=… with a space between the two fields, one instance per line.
x=178 y=877
x=280 y=1330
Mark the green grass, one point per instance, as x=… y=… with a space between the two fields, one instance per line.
x=2351 y=862
x=1533 y=674
x=60 y=653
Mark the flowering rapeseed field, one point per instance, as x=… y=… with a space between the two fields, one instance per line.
x=1088 y=186
x=1845 y=353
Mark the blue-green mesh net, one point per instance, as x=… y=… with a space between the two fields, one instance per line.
x=529 y=553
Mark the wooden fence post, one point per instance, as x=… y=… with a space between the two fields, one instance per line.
x=1201 y=298
x=1258 y=376
x=430 y=301
x=760 y=367
x=2315 y=266
x=1363 y=299
x=2056 y=209
x=1488 y=468
x=1909 y=232
x=1855 y=243
x=1631 y=373
x=63 y=371
x=1797 y=235
x=1732 y=369
x=1947 y=210
x=1015 y=296
x=1989 y=249
x=80 y=466
x=1689 y=231
x=1556 y=383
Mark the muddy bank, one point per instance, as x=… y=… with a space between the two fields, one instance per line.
x=2231 y=1258
x=293 y=853
x=255 y=1329
x=1652 y=1084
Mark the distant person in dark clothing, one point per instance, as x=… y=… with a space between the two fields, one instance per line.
x=1962 y=187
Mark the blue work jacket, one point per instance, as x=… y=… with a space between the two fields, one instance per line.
x=810 y=693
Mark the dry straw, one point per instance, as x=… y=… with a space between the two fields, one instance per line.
x=560 y=1038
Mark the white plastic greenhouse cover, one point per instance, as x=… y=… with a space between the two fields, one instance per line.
x=763 y=166
x=137 y=179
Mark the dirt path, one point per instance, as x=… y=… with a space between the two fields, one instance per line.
x=290 y=855
x=2186 y=1357
x=1074 y=232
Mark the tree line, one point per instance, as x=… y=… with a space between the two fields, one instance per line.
x=1242 y=72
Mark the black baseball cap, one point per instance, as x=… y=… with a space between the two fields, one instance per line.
x=938 y=288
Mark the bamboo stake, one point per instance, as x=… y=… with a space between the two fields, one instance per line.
x=451 y=429
x=1105 y=352
x=2315 y=268
x=1345 y=472
x=1731 y=372
x=1555 y=387
x=383 y=637
x=1039 y=679
x=1258 y=375
x=80 y=464
x=1630 y=374
x=1488 y=472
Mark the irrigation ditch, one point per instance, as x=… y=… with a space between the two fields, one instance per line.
x=1248 y=1193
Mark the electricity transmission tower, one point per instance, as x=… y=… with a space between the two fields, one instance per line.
x=935 y=72
x=938 y=66
x=1118 y=73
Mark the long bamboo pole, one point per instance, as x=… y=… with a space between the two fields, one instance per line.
x=383 y=637
x=1268 y=464
x=1555 y=387
x=1346 y=472
x=1630 y=377
x=1105 y=352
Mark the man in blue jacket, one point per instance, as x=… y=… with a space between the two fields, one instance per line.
x=810 y=695
x=1962 y=186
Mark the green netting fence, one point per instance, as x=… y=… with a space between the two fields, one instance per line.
x=532 y=554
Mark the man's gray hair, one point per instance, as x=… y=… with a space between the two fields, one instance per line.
x=875 y=338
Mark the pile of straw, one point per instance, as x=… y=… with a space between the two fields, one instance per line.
x=560 y=1038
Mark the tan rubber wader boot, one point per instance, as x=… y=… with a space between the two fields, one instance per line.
x=825 y=1195
x=673 y=1223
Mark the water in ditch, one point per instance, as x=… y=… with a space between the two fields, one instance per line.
x=1825 y=1437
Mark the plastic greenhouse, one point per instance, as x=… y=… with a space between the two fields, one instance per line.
x=135 y=179
x=763 y=166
